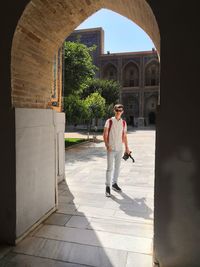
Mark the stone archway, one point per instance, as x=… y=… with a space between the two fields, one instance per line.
x=38 y=36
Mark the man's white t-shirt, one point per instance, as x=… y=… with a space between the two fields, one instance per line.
x=115 y=136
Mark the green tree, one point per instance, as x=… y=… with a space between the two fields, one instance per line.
x=78 y=69
x=108 y=89
x=95 y=103
x=75 y=109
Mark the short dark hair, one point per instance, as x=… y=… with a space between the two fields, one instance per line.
x=118 y=106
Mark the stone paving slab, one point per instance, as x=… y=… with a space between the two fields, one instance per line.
x=58 y=219
x=96 y=238
x=80 y=222
x=121 y=227
x=20 y=260
x=71 y=252
x=138 y=260
x=4 y=250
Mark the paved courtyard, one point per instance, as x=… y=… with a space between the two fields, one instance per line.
x=89 y=229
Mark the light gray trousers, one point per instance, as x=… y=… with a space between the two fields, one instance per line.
x=113 y=159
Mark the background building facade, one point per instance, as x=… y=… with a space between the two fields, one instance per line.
x=137 y=72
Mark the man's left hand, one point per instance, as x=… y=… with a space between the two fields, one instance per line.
x=127 y=151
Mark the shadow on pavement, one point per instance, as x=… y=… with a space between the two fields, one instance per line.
x=135 y=207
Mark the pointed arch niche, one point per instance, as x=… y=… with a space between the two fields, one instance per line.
x=152 y=73
x=131 y=75
x=110 y=72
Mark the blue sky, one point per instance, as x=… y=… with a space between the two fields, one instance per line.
x=120 y=33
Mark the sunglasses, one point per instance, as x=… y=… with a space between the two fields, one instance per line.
x=118 y=110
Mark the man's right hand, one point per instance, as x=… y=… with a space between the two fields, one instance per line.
x=109 y=149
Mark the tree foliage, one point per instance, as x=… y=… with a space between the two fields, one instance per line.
x=95 y=104
x=108 y=89
x=78 y=67
x=75 y=109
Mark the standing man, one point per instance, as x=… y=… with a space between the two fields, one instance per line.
x=114 y=136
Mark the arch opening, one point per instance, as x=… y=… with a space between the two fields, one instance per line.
x=131 y=75
x=39 y=35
